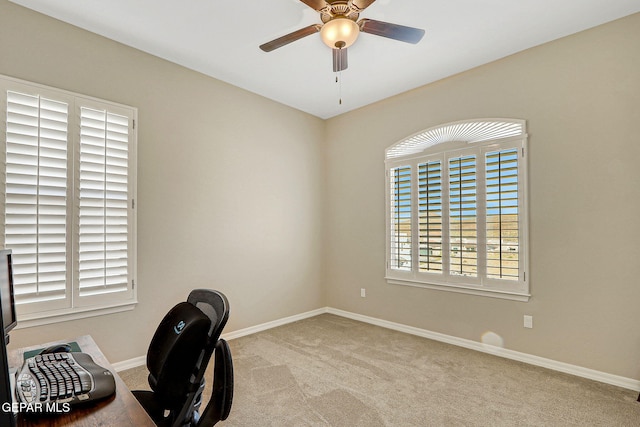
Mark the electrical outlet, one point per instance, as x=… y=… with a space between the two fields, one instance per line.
x=528 y=321
x=363 y=292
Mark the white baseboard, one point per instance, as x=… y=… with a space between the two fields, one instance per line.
x=130 y=363
x=273 y=324
x=567 y=368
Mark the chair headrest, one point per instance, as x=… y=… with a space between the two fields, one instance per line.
x=175 y=349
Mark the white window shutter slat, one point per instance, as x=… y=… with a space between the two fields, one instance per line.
x=104 y=210
x=430 y=216
x=36 y=223
x=463 y=222
x=400 y=249
x=503 y=239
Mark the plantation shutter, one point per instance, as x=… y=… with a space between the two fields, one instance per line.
x=463 y=222
x=430 y=216
x=36 y=220
x=456 y=217
x=104 y=224
x=401 y=218
x=503 y=239
x=67 y=202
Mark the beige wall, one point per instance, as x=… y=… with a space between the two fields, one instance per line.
x=581 y=99
x=229 y=183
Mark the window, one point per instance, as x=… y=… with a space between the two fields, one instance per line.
x=456 y=217
x=68 y=202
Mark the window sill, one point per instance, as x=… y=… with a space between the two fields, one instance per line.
x=513 y=296
x=38 y=319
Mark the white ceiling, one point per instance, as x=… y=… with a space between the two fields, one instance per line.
x=221 y=39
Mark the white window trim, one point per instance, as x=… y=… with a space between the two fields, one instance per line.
x=91 y=306
x=441 y=143
x=39 y=319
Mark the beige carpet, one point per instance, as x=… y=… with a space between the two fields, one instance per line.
x=332 y=371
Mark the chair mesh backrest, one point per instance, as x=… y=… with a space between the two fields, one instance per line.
x=216 y=306
x=174 y=351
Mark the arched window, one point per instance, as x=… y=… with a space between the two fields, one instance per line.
x=456 y=209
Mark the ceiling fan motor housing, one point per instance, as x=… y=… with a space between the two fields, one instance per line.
x=339 y=8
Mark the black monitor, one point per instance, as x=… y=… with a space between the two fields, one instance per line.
x=9 y=319
x=7 y=322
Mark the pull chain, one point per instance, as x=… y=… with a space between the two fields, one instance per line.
x=339 y=82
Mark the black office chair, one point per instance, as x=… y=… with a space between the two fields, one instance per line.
x=219 y=404
x=178 y=357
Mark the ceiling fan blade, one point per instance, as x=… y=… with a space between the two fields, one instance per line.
x=391 y=31
x=315 y=4
x=339 y=59
x=362 y=4
x=291 y=37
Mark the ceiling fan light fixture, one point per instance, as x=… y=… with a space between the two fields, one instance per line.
x=339 y=33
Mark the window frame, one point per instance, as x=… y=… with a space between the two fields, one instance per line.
x=442 y=143
x=73 y=306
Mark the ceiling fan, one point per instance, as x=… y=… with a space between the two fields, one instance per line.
x=340 y=28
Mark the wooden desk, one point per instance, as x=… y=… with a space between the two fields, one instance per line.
x=120 y=410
